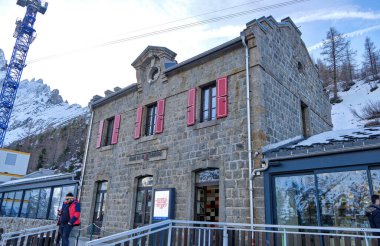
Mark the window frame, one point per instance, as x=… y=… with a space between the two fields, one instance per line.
x=150 y=119
x=103 y=194
x=107 y=131
x=211 y=87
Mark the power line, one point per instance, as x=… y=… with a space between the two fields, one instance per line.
x=177 y=28
x=194 y=16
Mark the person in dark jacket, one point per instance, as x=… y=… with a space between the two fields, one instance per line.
x=373 y=214
x=69 y=216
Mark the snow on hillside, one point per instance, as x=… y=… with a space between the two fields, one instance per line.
x=37 y=108
x=356 y=98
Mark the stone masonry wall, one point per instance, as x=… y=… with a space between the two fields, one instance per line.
x=218 y=144
x=10 y=224
x=280 y=51
x=277 y=89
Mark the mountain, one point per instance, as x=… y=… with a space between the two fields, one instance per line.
x=45 y=125
x=37 y=108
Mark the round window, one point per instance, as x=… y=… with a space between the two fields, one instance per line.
x=153 y=74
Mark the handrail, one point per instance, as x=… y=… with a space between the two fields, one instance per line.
x=9 y=235
x=128 y=233
x=223 y=226
x=276 y=226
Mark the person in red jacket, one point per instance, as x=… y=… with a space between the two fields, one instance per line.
x=69 y=216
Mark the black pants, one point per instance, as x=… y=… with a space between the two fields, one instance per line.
x=65 y=230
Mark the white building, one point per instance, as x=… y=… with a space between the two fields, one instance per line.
x=13 y=164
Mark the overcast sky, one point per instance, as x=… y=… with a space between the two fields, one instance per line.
x=67 y=58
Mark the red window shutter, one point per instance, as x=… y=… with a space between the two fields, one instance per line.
x=160 y=116
x=191 y=106
x=100 y=134
x=115 y=130
x=138 y=122
x=221 y=98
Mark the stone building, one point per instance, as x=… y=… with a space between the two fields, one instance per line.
x=185 y=126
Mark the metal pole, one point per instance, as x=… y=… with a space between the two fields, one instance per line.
x=170 y=234
x=91 y=231
x=225 y=236
x=285 y=241
x=366 y=239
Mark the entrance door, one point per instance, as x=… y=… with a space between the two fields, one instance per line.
x=207 y=195
x=207 y=203
x=143 y=202
x=101 y=196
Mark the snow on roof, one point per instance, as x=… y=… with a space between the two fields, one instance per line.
x=36 y=179
x=341 y=135
x=277 y=145
x=335 y=139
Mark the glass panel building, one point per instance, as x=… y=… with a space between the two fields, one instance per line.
x=316 y=186
x=36 y=198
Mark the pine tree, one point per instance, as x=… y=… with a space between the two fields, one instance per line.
x=324 y=73
x=334 y=47
x=371 y=63
x=349 y=67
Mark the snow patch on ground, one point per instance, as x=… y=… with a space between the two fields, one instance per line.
x=356 y=98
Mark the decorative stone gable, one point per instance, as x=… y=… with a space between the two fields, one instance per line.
x=150 y=65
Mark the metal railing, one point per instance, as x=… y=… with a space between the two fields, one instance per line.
x=175 y=232
x=45 y=235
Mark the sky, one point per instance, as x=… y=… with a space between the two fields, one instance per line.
x=70 y=54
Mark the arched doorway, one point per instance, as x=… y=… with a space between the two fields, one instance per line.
x=207 y=195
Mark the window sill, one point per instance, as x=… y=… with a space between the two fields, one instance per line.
x=205 y=124
x=147 y=138
x=105 y=148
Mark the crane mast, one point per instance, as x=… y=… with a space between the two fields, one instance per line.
x=25 y=35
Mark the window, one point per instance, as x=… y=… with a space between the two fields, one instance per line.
x=305 y=120
x=33 y=204
x=55 y=203
x=11 y=204
x=16 y=204
x=333 y=199
x=25 y=204
x=143 y=201
x=6 y=207
x=43 y=203
x=208 y=105
x=57 y=199
x=38 y=203
x=108 y=131
x=101 y=195
x=296 y=200
x=10 y=159
x=151 y=119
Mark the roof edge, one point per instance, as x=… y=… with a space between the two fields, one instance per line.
x=204 y=54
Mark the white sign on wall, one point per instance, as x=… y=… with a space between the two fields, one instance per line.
x=161 y=204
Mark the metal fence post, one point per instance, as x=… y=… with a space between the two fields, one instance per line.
x=285 y=241
x=366 y=239
x=91 y=231
x=170 y=234
x=225 y=236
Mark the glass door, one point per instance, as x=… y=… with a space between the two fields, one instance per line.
x=101 y=196
x=143 y=204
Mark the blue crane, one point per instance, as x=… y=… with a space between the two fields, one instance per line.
x=25 y=35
